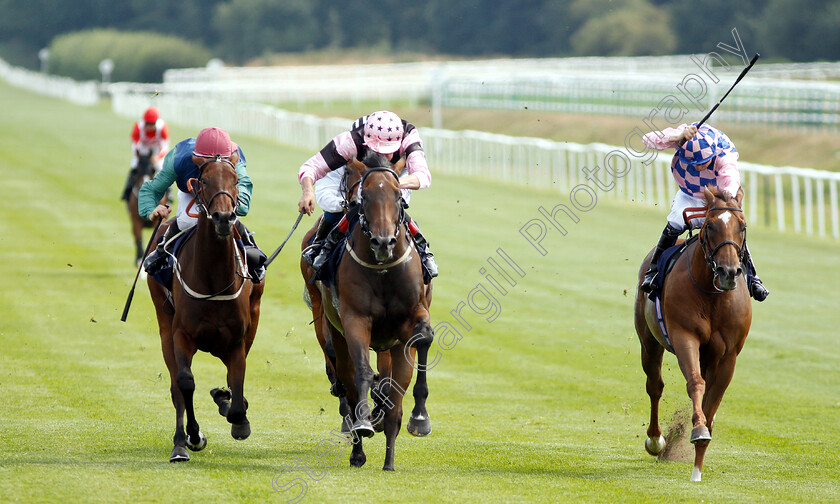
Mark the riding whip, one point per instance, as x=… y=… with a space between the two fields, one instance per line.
x=284 y=241
x=743 y=73
x=131 y=293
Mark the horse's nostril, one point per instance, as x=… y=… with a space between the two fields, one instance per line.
x=392 y=241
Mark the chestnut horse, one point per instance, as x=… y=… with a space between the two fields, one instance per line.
x=378 y=302
x=214 y=306
x=707 y=314
x=144 y=171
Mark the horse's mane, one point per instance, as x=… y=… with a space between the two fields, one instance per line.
x=718 y=195
x=375 y=160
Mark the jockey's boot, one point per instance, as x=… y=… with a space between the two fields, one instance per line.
x=327 y=248
x=312 y=251
x=157 y=257
x=757 y=289
x=254 y=258
x=430 y=269
x=668 y=239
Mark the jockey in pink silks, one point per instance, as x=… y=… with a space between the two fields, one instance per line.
x=321 y=175
x=707 y=158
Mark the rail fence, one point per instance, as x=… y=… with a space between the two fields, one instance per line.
x=803 y=200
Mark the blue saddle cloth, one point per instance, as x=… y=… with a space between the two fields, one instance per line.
x=665 y=265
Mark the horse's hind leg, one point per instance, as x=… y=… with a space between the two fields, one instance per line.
x=184 y=352
x=240 y=426
x=652 y=353
x=419 y=423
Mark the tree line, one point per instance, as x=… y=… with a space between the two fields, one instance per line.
x=239 y=30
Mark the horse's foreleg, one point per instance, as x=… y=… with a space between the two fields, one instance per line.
x=652 y=353
x=383 y=366
x=240 y=427
x=357 y=337
x=419 y=423
x=718 y=373
x=179 y=451
x=184 y=351
x=394 y=388
x=345 y=371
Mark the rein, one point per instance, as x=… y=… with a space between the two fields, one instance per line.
x=362 y=219
x=709 y=252
x=200 y=203
x=240 y=269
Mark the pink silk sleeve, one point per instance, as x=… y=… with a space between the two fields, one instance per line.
x=660 y=140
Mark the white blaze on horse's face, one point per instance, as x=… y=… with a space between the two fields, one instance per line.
x=725 y=216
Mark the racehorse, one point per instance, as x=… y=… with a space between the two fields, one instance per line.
x=707 y=313
x=378 y=301
x=214 y=306
x=144 y=171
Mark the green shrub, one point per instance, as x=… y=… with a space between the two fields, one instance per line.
x=137 y=56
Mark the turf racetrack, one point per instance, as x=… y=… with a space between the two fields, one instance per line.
x=541 y=400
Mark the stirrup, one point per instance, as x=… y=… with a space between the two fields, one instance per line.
x=154 y=261
x=647 y=283
x=758 y=291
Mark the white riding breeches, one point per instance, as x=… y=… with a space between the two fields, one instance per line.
x=184 y=220
x=328 y=192
x=680 y=203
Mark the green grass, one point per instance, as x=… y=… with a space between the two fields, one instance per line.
x=544 y=404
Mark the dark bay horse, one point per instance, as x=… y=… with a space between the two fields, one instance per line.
x=707 y=314
x=144 y=171
x=378 y=302
x=214 y=306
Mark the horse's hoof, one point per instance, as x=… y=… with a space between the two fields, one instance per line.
x=419 y=426
x=241 y=430
x=700 y=434
x=179 y=454
x=221 y=397
x=387 y=467
x=695 y=474
x=358 y=460
x=363 y=428
x=655 y=446
x=202 y=442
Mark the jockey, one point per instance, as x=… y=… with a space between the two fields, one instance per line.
x=178 y=167
x=382 y=132
x=708 y=157
x=150 y=137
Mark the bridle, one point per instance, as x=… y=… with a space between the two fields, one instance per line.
x=197 y=191
x=362 y=220
x=709 y=251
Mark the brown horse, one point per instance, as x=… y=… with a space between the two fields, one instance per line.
x=214 y=306
x=144 y=171
x=707 y=314
x=378 y=302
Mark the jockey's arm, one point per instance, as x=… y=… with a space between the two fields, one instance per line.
x=152 y=191
x=410 y=182
x=244 y=186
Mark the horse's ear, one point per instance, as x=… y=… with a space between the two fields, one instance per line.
x=709 y=196
x=234 y=158
x=399 y=165
x=739 y=197
x=357 y=166
x=197 y=160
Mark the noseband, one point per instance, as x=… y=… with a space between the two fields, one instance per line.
x=362 y=220
x=197 y=194
x=709 y=251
